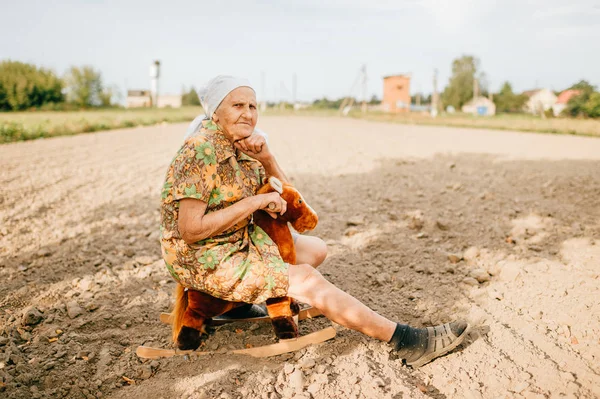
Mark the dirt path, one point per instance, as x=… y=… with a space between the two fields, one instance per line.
x=424 y=224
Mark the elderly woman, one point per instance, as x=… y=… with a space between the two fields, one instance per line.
x=210 y=244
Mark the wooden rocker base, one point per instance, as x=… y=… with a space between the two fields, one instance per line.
x=284 y=346
x=304 y=314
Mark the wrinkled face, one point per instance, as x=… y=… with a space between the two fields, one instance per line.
x=237 y=114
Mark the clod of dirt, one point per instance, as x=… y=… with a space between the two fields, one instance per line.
x=49 y=331
x=145 y=372
x=351 y=231
x=509 y=271
x=470 y=281
x=449 y=269
x=129 y=252
x=383 y=278
x=85 y=284
x=356 y=221
x=44 y=252
x=297 y=381
x=144 y=260
x=480 y=275
x=420 y=268
x=486 y=195
x=74 y=310
x=455 y=258
x=471 y=254
x=307 y=364
x=31 y=316
x=441 y=225
x=91 y=306
x=288 y=368
x=416 y=219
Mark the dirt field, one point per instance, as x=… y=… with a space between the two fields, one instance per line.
x=424 y=224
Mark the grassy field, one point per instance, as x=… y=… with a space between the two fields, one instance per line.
x=518 y=122
x=16 y=126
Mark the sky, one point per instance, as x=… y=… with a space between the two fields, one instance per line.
x=530 y=43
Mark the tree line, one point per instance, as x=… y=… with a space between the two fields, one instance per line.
x=467 y=69
x=26 y=86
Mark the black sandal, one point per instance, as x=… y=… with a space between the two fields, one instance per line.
x=441 y=340
x=246 y=311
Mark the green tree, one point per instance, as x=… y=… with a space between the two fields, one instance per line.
x=425 y=99
x=24 y=86
x=592 y=106
x=109 y=96
x=587 y=103
x=584 y=86
x=325 y=103
x=84 y=87
x=190 y=98
x=507 y=101
x=374 y=100
x=460 y=87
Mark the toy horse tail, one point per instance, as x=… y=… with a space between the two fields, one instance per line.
x=181 y=304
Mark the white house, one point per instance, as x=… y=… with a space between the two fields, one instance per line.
x=540 y=100
x=141 y=98
x=138 y=99
x=169 y=100
x=563 y=100
x=480 y=106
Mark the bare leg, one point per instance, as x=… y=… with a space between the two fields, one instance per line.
x=310 y=249
x=417 y=346
x=309 y=286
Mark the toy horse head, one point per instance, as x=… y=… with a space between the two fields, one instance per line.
x=299 y=214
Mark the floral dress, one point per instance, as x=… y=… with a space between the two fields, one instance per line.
x=241 y=264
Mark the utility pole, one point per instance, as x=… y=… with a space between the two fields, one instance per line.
x=347 y=103
x=364 y=88
x=294 y=88
x=263 y=90
x=154 y=75
x=435 y=97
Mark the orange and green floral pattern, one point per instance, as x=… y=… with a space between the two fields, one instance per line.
x=241 y=264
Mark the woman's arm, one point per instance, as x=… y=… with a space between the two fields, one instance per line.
x=272 y=168
x=194 y=225
x=256 y=147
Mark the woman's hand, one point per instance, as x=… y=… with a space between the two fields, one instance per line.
x=255 y=146
x=272 y=203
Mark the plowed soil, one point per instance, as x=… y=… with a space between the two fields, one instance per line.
x=424 y=224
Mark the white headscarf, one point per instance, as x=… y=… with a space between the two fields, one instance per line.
x=217 y=89
x=211 y=96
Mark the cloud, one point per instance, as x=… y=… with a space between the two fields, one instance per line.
x=582 y=9
x=453 y=16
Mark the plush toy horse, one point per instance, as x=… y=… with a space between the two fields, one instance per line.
x=194 y=309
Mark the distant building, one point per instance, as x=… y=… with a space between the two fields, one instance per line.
x=142 y=98
x=562 y=100
x=480 y=106
x=172 y=101
x=540 y=100
x=396 y=93
x=138 y=99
